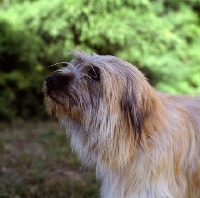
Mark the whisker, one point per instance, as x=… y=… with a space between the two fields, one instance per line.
x=65 y=63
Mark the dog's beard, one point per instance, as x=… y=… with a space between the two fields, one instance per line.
x=66 y=102
x=94 y=127
x=95 y=138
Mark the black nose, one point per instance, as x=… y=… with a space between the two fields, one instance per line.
x=52 y=81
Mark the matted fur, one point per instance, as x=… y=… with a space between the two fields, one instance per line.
x=143 y=143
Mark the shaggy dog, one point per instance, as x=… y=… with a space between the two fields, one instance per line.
x=143 y=143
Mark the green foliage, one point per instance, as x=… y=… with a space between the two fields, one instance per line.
x=19 y=72
x=162 y=38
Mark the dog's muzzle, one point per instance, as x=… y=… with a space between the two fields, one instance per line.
x=52 y=81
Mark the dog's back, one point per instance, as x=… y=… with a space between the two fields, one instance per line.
x=192 y=105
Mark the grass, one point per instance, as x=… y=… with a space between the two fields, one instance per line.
x=36 y=162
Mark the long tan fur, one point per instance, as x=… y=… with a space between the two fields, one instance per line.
x=143 y=143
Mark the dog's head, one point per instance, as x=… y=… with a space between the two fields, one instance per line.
x=103 y=95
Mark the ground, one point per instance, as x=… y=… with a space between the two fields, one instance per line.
x=36 y=161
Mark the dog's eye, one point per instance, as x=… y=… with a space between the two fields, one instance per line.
x=94 y=73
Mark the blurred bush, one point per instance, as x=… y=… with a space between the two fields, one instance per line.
x=162 y=38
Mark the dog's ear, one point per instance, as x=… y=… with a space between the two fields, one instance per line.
x=133 y=112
